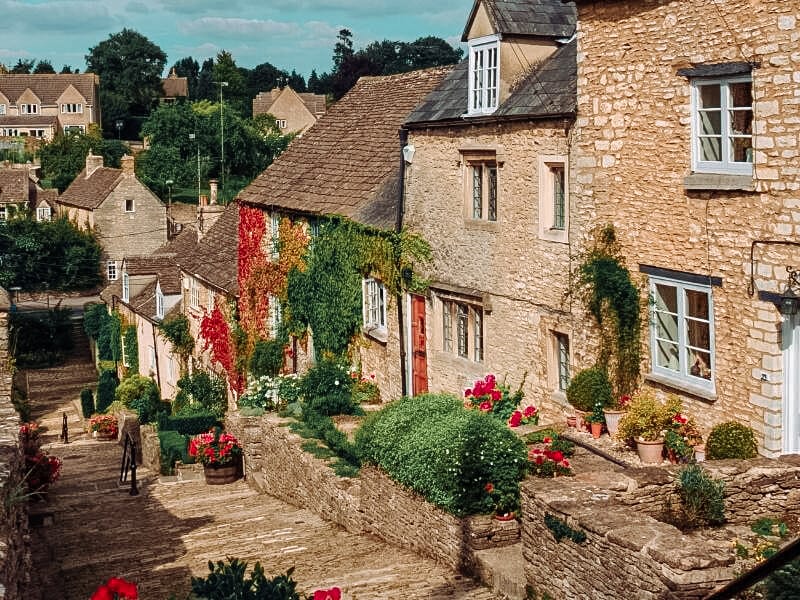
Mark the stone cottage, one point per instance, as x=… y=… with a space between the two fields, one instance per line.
x=687 y=141
x=486 y=186
x=128 y=219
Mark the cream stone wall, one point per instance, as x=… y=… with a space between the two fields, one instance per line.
x=521 y=278
x=632 y=152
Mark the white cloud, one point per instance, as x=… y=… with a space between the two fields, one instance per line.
x=55 y=16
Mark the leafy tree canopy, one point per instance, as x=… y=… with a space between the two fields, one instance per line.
x=23 y=66
x=44 y=66
x=65 y=156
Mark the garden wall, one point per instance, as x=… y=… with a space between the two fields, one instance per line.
x=15 y=560
x=372 y=503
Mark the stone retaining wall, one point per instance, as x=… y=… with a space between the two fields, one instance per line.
x=15 y=561
x=371 y=503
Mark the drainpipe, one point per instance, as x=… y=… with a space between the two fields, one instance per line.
x=398 y=228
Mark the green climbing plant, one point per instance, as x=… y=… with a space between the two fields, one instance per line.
x=604 y=285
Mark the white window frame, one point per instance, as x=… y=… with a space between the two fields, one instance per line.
x=561 y=363
x=3 y=213
x=275 y=316
x=43 y=213
x=482 y=177
x=211 y=300
x=74 y=128
x=194 y=293
x=549 y=169
x=275 y=234
x=29 y=109
x=682 y=377
x=126 y=287
x=125 y=361
x=159 y=302
x=2 y=108
x=463 y=329
x=71 y=108
x=281 y=123
x=724 y=166
x=484 y=75
x=111 y=270
x=374 y=306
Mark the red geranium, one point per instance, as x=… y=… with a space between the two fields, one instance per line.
x=116 y=588
x=332 y=594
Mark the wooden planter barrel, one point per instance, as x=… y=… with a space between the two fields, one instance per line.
x=221 y=475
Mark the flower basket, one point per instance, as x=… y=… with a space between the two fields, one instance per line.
x=104 y=427
x=219 y=453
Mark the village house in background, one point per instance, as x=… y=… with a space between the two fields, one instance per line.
x=687 y=139
x=294 y=112
x=128 y=219
x=41 y=106
x=20 y=191
x=174 y=88
x=349 y=164
x=486 y=173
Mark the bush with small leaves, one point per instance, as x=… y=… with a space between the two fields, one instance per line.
x=589 y=387
x=702 y=498
x=731 y=440
x=87 y=403
x=106 y=386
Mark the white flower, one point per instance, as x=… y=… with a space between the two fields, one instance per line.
x=336 y=382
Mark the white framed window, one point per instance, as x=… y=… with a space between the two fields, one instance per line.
x=374 y=306
x=2 y=109
x=125 y=361
x=275 y=316
x=194 y=293
x=561 y=355
x=3 y=213
x=36 y=133
x=71 y=108
x=159 y=302
x=682 y=332
x=481 y=189
x=484 y=74
x=43 y=213
x=9 y=132
x=126 y=287
x=462 y=329
x=275 y=231
x=281 y=123
x=722 y=125
x=29 y=109
x=211 y=300
x=74 y=129
x=553 y=199
x=130 y=205
x=111 y=270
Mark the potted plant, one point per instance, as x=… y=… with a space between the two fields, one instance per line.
x=596 y=420
x=681 y=439
x=615 y=412
x=104 y=427
x=220 y=455
x=587 y=388
x=646 y=423
x=505 y=503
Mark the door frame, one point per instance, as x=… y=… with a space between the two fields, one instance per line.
x=790 y=405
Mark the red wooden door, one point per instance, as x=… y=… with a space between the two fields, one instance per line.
x=419 y=362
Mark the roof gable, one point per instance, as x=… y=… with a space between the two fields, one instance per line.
x=48 y=87
x=540 y=18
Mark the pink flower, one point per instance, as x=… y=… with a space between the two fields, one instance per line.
x=103 y=593
x=485 y=406
x=332 y=594
x=125 y=589
x=467 y=392
x=516 y=419
x=565 y=463
x=496 y=395
x=547 y=440
x=555 y=455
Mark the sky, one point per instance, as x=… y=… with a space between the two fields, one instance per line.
x=290 y=34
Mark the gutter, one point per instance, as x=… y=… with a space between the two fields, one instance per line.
x=489 y=119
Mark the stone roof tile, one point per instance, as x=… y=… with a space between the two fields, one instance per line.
x=49 y=87
x=215 y=257
x=89 y=192
x=539 y=18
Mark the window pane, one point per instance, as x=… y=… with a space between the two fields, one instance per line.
x=666 y=326
x=709 y=96
x=447 y=326
x=741 y=149
x=710 y=122
x=667 y=355
x=477 y=192
x=667 y=298
x=741 y=95
x=558 y=197
x=699 y=363
x=697 y=304
x=462 y=330
x=492 y=209
x=697 y=334
x=478 y=335
x=563 y=361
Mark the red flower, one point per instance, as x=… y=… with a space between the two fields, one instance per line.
x=103 y=593
x=486 y=406
x=539 y=459
x=680 y=419
x=516 y=419
x=467 y=393
x=547 y=440
x=555 y=455
x=332 y=594
x=529 y=411
x=496 y=395
x=565 y=463
x=125 y=589
x=489 y=487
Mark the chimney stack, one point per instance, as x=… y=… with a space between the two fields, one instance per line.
x=127 y=163
x=93 y=162
x=212 y=183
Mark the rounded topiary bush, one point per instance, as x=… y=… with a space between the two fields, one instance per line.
x=731 y=440
x=588 y=387
x=106 y=386
x=327 y=389
x=140 y=394
x=445 y=452
x=87 y=403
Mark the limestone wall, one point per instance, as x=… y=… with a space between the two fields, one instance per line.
x=15 y=558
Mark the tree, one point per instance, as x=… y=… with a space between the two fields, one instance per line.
x=23 y=67
x=235 y=94
x=205 y=81
x=263 y=78
x=189 y=68
x=44 y=66
x=429 y=51
x=313 y=82
x=296 y=81
x=130 y=67
x=66 y=70
x=64 y=157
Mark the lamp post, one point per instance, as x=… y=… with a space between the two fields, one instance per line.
x=222 y=84
x=118 y=124
x=169 y=183
x=193 y=137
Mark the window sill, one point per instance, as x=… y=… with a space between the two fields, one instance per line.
x=481 y=225
x=379 y=334
x=557 y=236
x=683 y=386
x=718 y=181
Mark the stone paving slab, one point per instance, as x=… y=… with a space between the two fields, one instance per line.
x=170 y=531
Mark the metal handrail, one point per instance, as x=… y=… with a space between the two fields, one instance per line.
x=129 y=464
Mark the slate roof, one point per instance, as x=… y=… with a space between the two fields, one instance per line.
x=215 y=257
x=348 y=164
x=49 y=87
x=549 y=90
x=538 y=18
x=13 y=186
x=89 y=193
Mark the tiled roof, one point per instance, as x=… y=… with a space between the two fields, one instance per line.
x=174 y=86
x=28 y=120
x=89 y=193
x=49 y=87
x=349 y=163
x=540 y=18
x=13 y=186
x=214 y=259
x=315 y=103
x=548 y=90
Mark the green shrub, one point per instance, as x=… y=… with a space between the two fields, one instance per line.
x=106 y=386
x=109 y=345
x=87 y=403
x=328 y=389
x=702 y=498
x=783 y=584
x=201 y=393
x=448 y=454
x=647 y=418
x=229 y=581
x=140 y=394
x=174 y=447
x=94 y=318
x=42 y=338
x=131 y=349
x=188 y=424
x=731 y=440
x=267 y=358
x=588 y=387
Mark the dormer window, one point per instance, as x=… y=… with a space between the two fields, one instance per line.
x=159 y=302
x=484 y=74
x=126 y=287
x=29 y=109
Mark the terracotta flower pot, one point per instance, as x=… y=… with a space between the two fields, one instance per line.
x=597 y=430
x=613 y=418
x=509 y=516
x=650 y=451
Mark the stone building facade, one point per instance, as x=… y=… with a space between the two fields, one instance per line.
x=294 y=112
x=127 y=217
x=687 y=141
x=486 y=188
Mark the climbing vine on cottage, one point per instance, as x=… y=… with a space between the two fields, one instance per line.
x=217 y=336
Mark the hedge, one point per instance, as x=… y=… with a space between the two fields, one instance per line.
x=174 y=447
x=188 y=424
